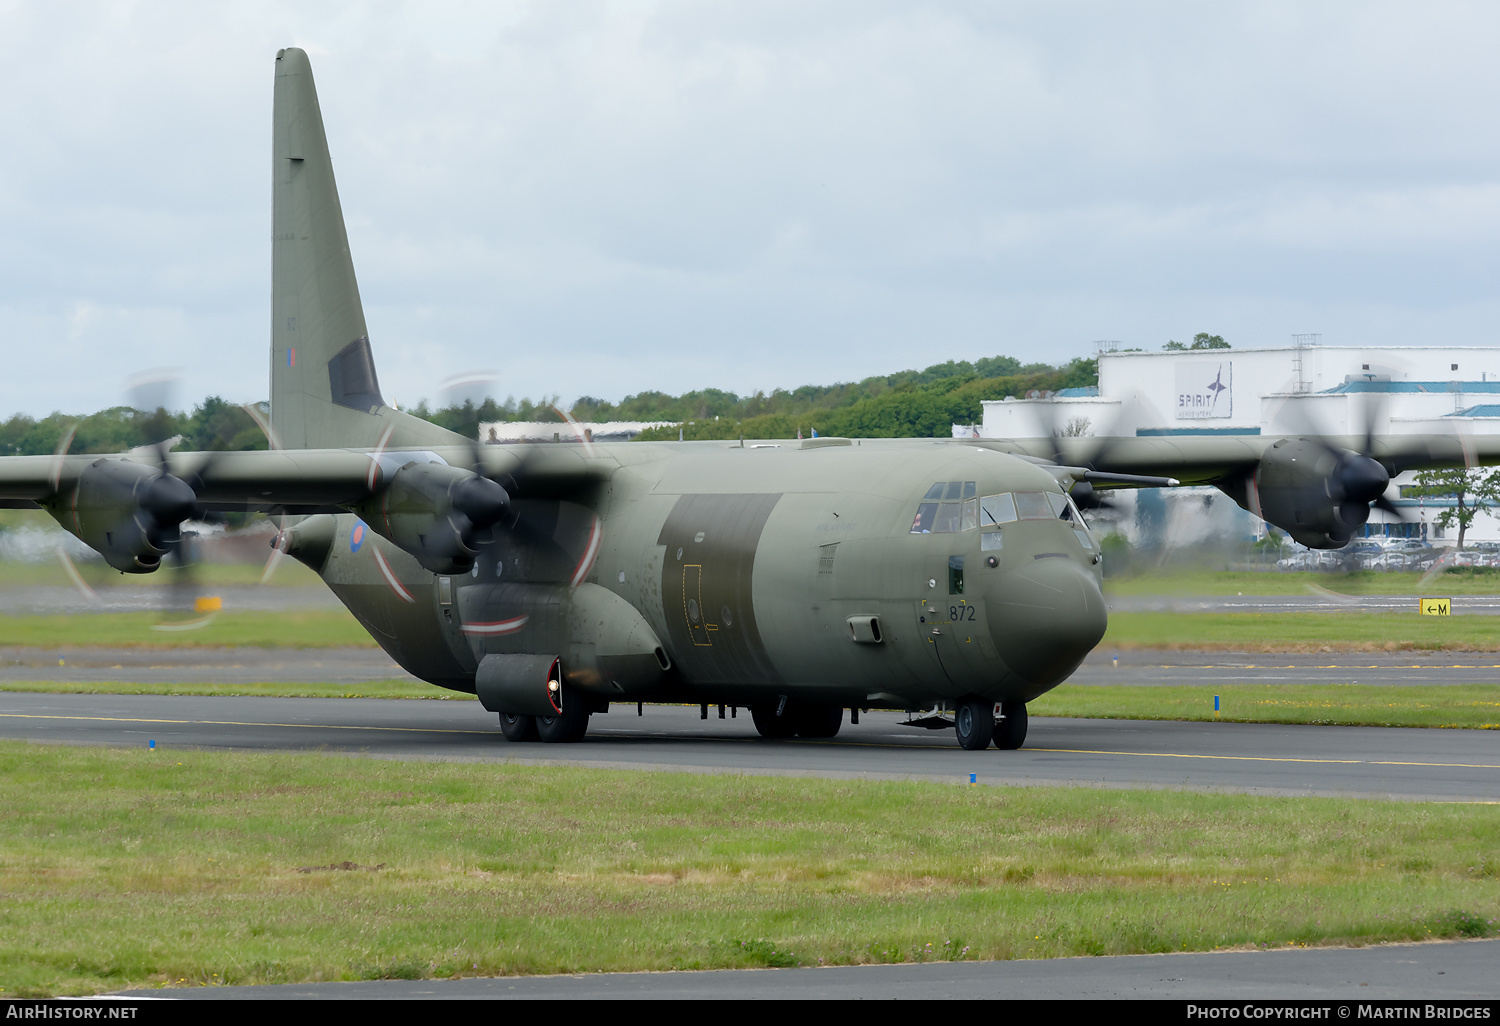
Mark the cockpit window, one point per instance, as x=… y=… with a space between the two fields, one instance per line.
x=1034 y=506
x=947 y=508
x=947 y=518
x=997 y=509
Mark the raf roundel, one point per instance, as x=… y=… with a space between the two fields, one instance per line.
x=357 y=536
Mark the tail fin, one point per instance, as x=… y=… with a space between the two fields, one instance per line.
x=324 y=389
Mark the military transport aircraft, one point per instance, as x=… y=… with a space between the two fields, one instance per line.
x=795 y=579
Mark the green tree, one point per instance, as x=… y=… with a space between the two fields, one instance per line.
x=1202 y=340
x=1471 y=490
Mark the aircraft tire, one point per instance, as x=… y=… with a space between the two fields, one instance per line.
x=771 y=725
x=815 y=721
x=518 y=727
x=1010 y=731
x=974 y=723
x=567 y=728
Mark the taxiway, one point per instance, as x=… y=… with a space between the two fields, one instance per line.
x=1256 y=758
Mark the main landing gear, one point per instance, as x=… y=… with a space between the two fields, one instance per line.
x=975 y=723
x=566 y=728
x=518 y=727
x=787 y=719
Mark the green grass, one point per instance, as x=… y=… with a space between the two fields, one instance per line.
x=303 y=628
x=130 y=868
x=277 y=689
x=1175 y=581
x=1304 y=632
x=1365 y=705
x=1254 y=632
x=289 y=574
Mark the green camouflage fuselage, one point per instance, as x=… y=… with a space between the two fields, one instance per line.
x=756 y=572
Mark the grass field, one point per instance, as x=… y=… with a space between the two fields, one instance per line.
x=1303 y=632
x=1475 y=706
x=1187 y=581
x=289 y=574
x=1249 y=632
x=279 y=689
x=127 y=868
x=303 y=628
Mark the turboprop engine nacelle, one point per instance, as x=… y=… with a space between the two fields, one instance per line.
x=130 y=514
x=1319 y=495
x=437 y=513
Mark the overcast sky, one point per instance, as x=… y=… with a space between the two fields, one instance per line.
x=600 y=198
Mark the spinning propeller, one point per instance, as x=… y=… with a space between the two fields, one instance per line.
x=1089 y=452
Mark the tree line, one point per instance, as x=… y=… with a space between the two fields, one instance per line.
x=914 y=404
x=211 y=425
x=910 y=403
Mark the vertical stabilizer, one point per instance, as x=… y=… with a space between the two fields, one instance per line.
x=325 y=392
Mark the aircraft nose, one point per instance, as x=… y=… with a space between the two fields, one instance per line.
x=1045 y=617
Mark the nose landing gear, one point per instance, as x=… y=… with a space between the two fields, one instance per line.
x=1010 y=729
x=977 y=725
x=974 y=723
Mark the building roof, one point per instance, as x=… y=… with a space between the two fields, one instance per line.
x=1136 y=354
x=1438 y=387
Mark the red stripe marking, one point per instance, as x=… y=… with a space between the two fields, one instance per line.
x=390 y=578
x=589 y=554
x=495 y=627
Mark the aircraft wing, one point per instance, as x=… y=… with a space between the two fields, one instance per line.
x=291 y=478
x=1211 y=460
x=129 y=506
x=1318 y=488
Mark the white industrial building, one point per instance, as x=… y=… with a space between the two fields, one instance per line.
x=505 y=432
x=1297 y=389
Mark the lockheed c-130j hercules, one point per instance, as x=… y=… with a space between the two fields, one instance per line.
x=795 y=579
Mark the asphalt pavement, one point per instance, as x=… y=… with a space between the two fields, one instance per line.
x=1254 y=758
x=1447 y=972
